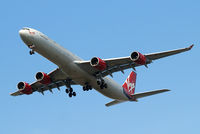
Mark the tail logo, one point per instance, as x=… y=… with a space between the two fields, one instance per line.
x=131 y=86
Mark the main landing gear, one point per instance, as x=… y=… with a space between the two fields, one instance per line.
x=101 y=83
x=87 y=87
x=69 y=89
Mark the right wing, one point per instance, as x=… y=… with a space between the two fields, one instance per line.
x=122 y=63
x=57 y=77
x=137 y=96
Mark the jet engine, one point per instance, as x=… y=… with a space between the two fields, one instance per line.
x=43 y=78
x=98 y=63
x=25 y=88
x=138 y=58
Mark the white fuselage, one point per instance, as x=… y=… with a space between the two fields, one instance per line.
x=64 y=59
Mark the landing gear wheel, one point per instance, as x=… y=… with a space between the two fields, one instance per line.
x=101 y=83
x=74 y=93
x=31 y=52
x=87 y=87
x=70 y=94
x=98 y=82
x=101 y=86
x=70 y=90
x=105 y=85
x=90 y=87
x=67 y=91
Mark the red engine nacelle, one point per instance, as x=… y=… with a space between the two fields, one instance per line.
x=25 y=88
x=43 y=78
x=138 y=58
x=98 y=63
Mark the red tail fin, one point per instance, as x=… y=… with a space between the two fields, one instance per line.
x=129 y=84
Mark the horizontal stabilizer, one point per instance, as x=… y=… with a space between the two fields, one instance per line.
x=149 y=93
x=114 y=103
x=138 y=95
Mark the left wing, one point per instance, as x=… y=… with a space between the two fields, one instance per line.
x=57 y=80
x=122 y=63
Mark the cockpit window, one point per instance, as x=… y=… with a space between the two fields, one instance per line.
x=25 y=28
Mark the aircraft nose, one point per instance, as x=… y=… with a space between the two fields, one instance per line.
x=24 y=36
x=22 y=33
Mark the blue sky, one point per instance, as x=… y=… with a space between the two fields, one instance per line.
x=106 y=29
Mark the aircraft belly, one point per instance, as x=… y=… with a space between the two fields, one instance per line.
x=54 y=52
x=64 y=59
x=113 y=90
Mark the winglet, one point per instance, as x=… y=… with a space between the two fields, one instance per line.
x=190 y=47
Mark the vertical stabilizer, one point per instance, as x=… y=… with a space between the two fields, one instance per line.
x=129 y=84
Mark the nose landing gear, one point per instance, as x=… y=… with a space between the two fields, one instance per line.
x=31 y=52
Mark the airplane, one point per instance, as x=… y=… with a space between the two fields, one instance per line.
x=90 y=74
